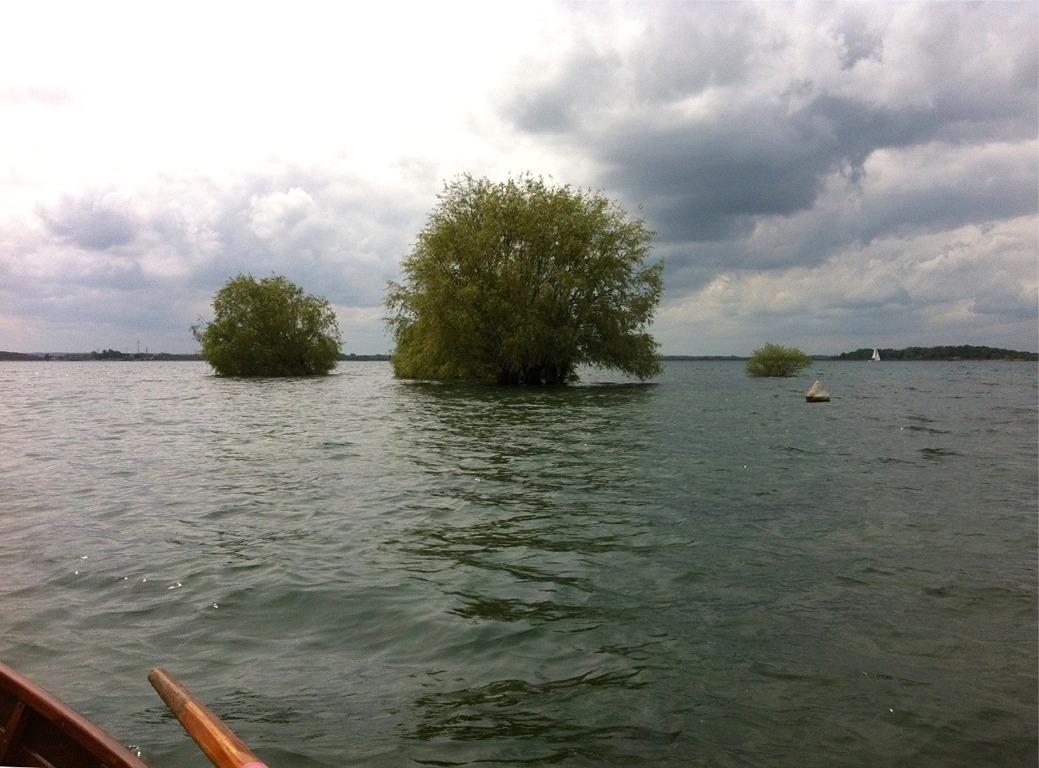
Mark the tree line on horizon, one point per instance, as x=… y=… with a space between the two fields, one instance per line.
x=933 y=353
x=960 y=352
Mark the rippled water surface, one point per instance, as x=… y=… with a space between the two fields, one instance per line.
x=705 y=570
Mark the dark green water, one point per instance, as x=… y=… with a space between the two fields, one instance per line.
x=703 y=571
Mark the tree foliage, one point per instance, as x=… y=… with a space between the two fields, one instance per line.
x=269 y=328
x=520 y=282
x=776 y=360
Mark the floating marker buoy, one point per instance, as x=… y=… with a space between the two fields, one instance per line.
x=816 y=394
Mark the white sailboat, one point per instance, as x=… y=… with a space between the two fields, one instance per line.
x=876 y=356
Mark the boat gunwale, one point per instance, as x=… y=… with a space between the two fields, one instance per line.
x=107 y=750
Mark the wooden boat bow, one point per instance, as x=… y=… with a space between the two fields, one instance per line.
x=38 y=729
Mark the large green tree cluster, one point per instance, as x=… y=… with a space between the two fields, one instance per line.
x=520 y=282
x=777 y=360
x=269 y=327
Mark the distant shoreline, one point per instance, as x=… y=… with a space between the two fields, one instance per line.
x=916 y=354
x=111 y=356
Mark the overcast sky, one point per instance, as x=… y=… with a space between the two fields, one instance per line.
x=831 y=176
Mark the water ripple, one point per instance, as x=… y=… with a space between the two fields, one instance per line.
x=702 y=571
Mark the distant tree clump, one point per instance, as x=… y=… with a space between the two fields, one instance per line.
x=960 y=352
x=520 y=282
x=269 y=327
x=775 y=360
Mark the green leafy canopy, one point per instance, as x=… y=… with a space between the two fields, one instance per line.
x=269 y=327
x=775 y=360
x=520 y=282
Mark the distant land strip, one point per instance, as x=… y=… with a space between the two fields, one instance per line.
x=947 y=353
x=961 y=352
x=111 y=354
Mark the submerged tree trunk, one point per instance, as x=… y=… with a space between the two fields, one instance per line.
x=548 y=374
x=508 y=377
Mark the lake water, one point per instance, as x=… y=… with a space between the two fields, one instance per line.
x=705 y=570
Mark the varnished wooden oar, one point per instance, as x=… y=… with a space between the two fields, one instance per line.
x=222 y=747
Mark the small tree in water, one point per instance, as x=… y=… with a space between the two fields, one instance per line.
x=520 y=282
x=269 y=328
x=775 y=360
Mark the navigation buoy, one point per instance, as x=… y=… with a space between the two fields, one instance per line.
x=816 y=394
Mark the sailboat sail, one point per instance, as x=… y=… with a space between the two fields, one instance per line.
x=876 y=356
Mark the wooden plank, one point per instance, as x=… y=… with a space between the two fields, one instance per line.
x=12 y=731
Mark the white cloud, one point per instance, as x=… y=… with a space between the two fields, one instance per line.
x=273 y=214
x=965 y=278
